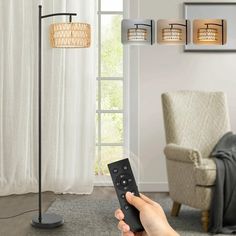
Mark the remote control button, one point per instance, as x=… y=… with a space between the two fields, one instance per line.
x=115 y=170
x=124 y=182
x=125 y=167
x=123 y=195
x=126 y=207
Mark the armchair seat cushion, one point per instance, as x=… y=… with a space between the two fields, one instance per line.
x=205 y=174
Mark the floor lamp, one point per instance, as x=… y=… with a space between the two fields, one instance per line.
x=62 y=35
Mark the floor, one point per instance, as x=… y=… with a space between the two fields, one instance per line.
x=14 y=204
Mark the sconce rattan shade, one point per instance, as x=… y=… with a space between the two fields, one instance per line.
x=172 y=34
x=137 y=34
x=207 y=35
x=70 y=35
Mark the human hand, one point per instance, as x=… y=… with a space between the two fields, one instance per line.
x=151 y=216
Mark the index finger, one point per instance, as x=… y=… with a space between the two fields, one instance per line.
x=135 y=201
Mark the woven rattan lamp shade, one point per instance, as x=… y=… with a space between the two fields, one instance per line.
x=70 y=35
x=207 y=35
x=137 y=34
x=172 y=34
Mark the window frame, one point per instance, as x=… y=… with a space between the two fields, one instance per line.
x=105 y=180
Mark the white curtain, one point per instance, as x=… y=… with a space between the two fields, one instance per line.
x=68 y=101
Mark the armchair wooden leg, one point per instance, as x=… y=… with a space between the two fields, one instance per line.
x=205 y=220
x=175 y=209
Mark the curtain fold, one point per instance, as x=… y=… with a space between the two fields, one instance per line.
x=68 y=101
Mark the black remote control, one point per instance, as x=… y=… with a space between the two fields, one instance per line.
x=123 y=180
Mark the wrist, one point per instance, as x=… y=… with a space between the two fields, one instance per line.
x=171 y=232
x=168 y=232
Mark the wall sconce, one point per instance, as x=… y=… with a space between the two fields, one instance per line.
x=138 y=32
x=209 y=32
x=172 y=33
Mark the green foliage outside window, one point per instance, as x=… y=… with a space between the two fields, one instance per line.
x=112 y=50
x=111 y=92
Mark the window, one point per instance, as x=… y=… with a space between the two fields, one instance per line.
x=110 y=86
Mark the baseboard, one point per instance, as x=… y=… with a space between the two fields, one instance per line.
x=143 y=186
x=153 y=187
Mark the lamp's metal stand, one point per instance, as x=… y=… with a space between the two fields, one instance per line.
x=46 y=220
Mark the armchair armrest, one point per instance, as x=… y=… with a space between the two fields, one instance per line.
x=182 y=154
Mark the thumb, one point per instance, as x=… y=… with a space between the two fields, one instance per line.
x=135 y=201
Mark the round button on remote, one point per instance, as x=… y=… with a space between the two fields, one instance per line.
x=125 y=167
x=123 y=181
x=115 y=170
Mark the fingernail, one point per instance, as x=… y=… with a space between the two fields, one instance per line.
x=129 y=194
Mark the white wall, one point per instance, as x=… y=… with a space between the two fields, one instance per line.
x=168 y=68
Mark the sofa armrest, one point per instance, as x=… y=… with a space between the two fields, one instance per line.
x=182 y=154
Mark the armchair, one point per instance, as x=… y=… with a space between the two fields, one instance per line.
x=194 y=122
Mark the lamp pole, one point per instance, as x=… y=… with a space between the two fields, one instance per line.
x=46 y=220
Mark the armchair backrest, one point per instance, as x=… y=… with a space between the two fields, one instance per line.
x=195 y=119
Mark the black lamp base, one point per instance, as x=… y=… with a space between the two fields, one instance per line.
x=49 y=221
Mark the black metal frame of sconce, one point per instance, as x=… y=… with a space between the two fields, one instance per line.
x=151 y=25
x=222 y=31
x=186 y=29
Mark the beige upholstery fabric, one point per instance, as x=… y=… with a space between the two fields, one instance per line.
x=194 y=122
x=205 y=174
x=195 y=119
x=176 y=153
x=183 y=188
